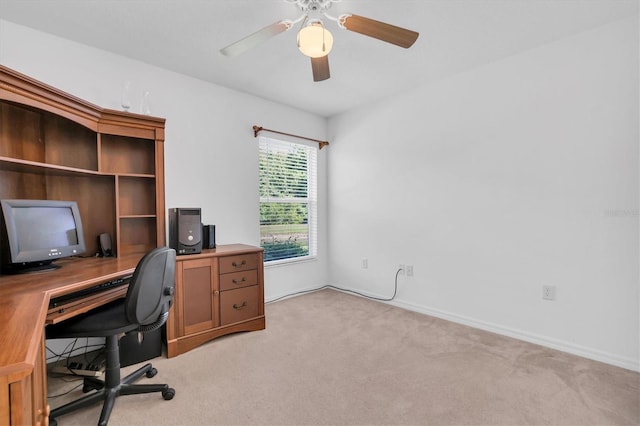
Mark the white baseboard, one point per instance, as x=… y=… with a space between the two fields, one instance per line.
x=590 y=353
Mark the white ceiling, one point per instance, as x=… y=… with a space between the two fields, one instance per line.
x=185 y=36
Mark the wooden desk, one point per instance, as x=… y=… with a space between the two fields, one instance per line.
x=24 y=301
x=218 y=292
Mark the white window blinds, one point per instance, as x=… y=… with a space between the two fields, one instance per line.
x=288 y=199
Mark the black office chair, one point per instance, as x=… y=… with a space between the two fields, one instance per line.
x=145 y=308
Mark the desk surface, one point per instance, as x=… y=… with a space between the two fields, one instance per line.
x=24 y=301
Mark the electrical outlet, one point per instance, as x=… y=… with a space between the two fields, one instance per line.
x=409 y=270
x=401 y=267
x=365 y=263
x=549 y=292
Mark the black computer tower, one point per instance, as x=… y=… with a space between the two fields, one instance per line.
x=185 y=230
x=133 y=351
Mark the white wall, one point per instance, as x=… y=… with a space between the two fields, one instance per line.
x=495 y=182
x=211 y=158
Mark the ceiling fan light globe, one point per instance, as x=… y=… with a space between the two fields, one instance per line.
x=315 y=41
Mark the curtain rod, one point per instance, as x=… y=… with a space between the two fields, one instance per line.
x=258 y=129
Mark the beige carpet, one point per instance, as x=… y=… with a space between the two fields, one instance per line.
x=329 y=358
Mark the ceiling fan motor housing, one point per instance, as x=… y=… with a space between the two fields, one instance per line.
x=314 y=5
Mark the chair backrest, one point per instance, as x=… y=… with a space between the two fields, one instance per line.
x=151 y=288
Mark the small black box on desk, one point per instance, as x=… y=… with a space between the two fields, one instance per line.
x=208 y=236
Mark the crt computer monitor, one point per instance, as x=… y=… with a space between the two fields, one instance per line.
x=37 y=232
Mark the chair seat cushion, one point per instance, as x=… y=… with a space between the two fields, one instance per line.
x=107 y=320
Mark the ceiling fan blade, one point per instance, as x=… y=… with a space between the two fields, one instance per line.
x=320 y=68
x=380 y=30
x=256 y=38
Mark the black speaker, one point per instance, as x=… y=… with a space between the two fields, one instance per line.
x=104 y=243
x=185 y=230
x=209 y=236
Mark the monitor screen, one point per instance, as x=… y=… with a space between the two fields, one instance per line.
x=38 y=232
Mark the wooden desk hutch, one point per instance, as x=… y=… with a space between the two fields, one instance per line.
x=56 y=146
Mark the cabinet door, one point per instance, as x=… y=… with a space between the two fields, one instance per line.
x=198 y=295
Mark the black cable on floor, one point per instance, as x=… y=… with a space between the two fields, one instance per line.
x=382 y=299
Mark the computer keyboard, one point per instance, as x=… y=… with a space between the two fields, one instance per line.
x=118 y=282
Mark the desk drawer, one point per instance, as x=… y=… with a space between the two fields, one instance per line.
x=242 y=262
x=238 y=280
x=239 y=305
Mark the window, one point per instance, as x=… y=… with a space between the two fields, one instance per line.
x=288 y=200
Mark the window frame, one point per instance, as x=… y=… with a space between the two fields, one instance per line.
x=311 y=200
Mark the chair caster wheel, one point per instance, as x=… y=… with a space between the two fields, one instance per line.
x=168 y=393
x=152 y=372
x=86 y=389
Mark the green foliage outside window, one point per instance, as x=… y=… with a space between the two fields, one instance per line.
x=284 y=210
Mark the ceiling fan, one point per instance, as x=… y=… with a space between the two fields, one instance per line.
x=315 y=41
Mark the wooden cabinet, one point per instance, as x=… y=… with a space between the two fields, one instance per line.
x=218 y=292
x=57 y=147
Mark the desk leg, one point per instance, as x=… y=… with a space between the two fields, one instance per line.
x=4 y=401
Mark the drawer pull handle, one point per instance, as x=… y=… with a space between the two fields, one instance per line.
x=239 y=282
x=235 y=265
x=237 y=308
